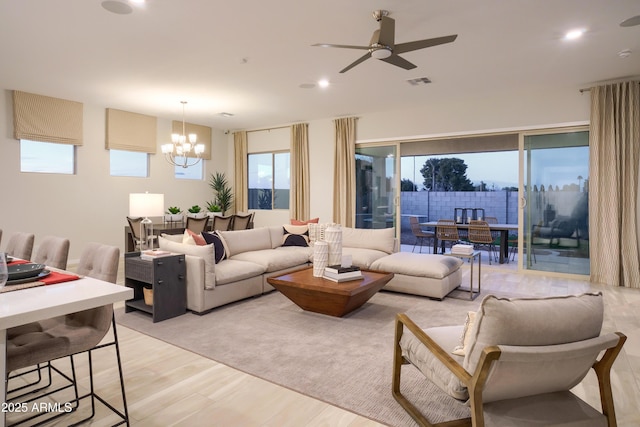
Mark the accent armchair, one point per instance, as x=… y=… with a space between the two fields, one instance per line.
x=515 y=361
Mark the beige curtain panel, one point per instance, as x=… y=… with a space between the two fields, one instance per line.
x=344 y=175
x=614 y=140
x=299 y=198
x=203 y=132
x=46 y=119
x=131 y=131
x=240 y=184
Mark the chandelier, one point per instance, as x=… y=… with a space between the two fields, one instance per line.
x=182 y=150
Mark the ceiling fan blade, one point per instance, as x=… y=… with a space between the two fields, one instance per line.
x=421 y=44
x=387 y=31
x=353 y=64
x=400 y=62
x=342 y=46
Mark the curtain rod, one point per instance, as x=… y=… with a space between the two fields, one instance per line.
x=268 y=129
x=584 y=90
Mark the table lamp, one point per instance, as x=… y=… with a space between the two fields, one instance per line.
x=146 y=205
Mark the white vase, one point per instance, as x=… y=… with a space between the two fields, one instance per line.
x=320 y=258
x=333 y=237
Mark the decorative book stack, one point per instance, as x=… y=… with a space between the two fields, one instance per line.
x=154 y=254
x=460 y=249
x=337 y=273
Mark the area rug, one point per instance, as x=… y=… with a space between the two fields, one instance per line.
x=346 y=361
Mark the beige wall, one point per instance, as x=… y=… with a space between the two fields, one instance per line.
x=91 y=206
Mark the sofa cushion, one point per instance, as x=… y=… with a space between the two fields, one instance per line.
x=214 y=238
x=276 y=259
x=534 y=322
x=381 y=239
x=418 y=265
x=204 y=252
x=191 y=238
x=362 y=257
x=239 y=241
x=295 y=235
x=298 y=222
x=231 y=270
x=465 y=338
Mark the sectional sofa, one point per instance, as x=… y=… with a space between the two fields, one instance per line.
x=237 y=264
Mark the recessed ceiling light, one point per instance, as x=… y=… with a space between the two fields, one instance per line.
x=631 y=22
x=117 y=7
x=323 y=83
x=225 y=114
x=574 y=34
x=625 y=53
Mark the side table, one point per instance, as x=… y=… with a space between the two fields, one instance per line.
x=471 y=257
x=166 y=276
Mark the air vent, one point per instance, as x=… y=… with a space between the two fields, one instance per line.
x=419 y=81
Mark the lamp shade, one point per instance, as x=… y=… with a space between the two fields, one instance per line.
x=146 y=204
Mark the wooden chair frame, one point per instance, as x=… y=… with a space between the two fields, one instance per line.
x=475 y=383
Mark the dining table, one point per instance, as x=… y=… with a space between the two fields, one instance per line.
x=504 y=230
x=32 y=304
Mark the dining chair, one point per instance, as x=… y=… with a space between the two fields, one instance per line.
x=53 y=252
x=39 y=343
x=419 y=233
x=20 y=245
x=134 y=225
x=222 y=223
x=447 y=231
x=241 y=222
x=197 y=225
x=480 y=235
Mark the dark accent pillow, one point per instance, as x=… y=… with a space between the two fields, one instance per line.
x=218 y=248
x=295 y=235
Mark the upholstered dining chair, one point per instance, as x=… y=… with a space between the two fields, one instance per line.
x=222 y=223
x=39 y=343
x=241 y=222
x=53 y=252
x=197 y=225
x=447 y=231
x=20 y=245
x=419 y=233
x=514 y=362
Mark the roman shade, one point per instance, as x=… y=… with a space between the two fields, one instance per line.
x=203 y=132
x=131 y=131
x=46 y=119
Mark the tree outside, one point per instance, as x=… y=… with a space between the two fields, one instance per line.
x=446 y=174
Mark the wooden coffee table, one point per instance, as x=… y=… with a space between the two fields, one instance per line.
x=325 y=296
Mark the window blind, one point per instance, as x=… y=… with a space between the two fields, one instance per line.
x=46 y=119
x=131 y=131
x=203 y=132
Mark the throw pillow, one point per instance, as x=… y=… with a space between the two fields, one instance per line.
x=298 y=222
x=213 y=237
x=295 y=235
x=465 y=339
x=191 y=238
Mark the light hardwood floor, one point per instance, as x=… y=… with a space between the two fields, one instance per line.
x=169 y=386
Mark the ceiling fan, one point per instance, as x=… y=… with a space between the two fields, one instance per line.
x=382 y=45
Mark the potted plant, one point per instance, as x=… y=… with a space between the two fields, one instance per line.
x=173 y=214
x=222 y=192
x=213 y=209
x=195 y=211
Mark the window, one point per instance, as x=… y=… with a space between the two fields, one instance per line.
x=269 y=177
x=192 y=172
x=128 y=163
x=47 y=157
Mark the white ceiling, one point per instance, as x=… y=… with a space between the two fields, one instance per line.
x=250 y=57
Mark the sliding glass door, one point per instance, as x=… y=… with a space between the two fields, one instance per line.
x=376 y=188
x=555 y=207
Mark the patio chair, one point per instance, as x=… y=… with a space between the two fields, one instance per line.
x=515 y=361
x=447 y=231
x=419 y=233
x=480 y=235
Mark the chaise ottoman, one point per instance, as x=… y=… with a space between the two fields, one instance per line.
x=428 y=275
